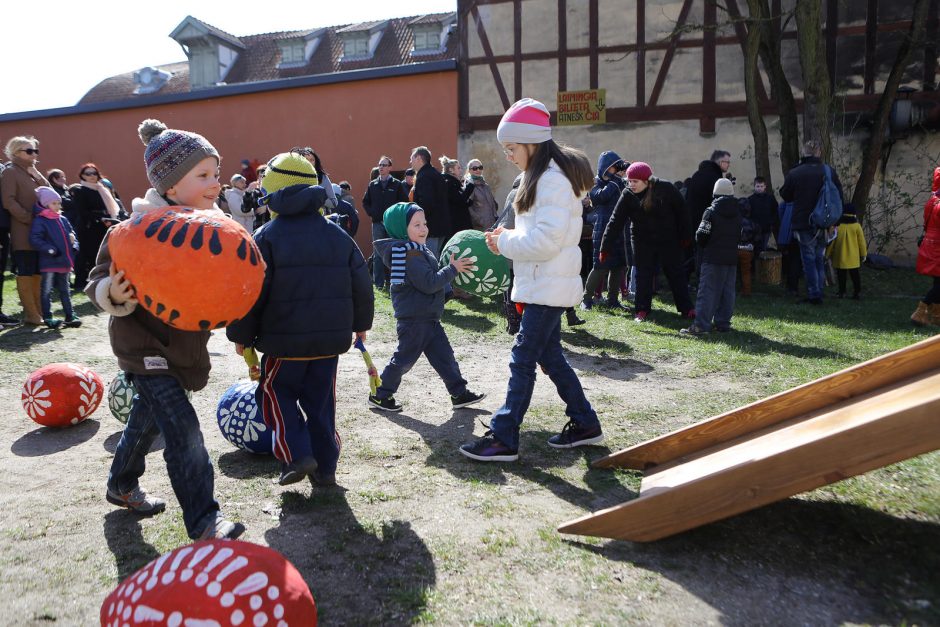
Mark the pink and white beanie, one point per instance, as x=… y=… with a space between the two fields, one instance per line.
x=526 y=122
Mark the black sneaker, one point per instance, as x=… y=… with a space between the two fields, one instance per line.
x=466 y=399
x=73 y=322
x=8 y=321
x=298 y=471
x=489 y=449
x=385 y=404
x=573 y=435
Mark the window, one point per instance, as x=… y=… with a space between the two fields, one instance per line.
x=292 y=51
x=356 y=46
x=427 y=37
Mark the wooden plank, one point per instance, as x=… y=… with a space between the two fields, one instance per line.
x=709 y=77
x=463 y=78
x=670 y=52
x=488 y=52
x=641 y=53
x=930 y=48
x=871 y=44
x=593 y=39
x=854 y=381
x=735 y=488
x=517 y=49
x=562 y=45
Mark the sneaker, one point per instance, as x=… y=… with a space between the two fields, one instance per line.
x=641 y=316
x=8 y=321
x=466 y=399
x=385 y=404
x=137 y=500
x=222 y=529
x=73 y=322
x=694 y=330
x=573 y=435
x=52 y=323
x=615 y=305
x=489 y=449
x=572 y=318
x=297 y=471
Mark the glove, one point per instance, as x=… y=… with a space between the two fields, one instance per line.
x=602 y=257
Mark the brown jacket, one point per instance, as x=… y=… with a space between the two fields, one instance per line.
x=19 y=197
x=484 y=207
x=141 y=342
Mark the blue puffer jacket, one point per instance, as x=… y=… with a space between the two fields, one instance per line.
x=50 y=237
x=604 y=196
x=317 y=290
x=421 y=297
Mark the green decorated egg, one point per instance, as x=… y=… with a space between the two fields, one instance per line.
x=489 y=274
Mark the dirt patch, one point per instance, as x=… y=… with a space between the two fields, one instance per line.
x=416 y=532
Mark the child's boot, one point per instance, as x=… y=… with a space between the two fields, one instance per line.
x=572 y=318
x=921 y=316
x=933 y=311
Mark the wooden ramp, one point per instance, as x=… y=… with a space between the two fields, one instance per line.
x=870 y=415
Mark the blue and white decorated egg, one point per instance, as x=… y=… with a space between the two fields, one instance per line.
x=240 y=419
x=120 y=396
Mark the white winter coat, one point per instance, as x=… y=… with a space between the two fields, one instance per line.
x=235 y=197
x=543 y=245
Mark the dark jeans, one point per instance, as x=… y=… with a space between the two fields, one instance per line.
x=812 y=252
x=414 y=338
x=670 y=257
x=933 y=295
x=856 y=280
x=792 y=266
x=379 y=271
x=539 y=343
x=161 y=406
x=4 y=257
x=714 y=302
x=59 y=281
x=311 y=383
x=26 y=262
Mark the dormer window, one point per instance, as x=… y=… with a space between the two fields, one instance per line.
x=430 y=32
x=427 y=37
x=361 y=40
x=297 y=50
x=211 y=52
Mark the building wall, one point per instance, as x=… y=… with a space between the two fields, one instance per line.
x=349 y=124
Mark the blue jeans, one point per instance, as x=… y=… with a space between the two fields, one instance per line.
x=812 y=251
x=311 y=384
x=379 y=271
x=414 y=338
x=59 y=281
x=715 y=298
x=539 y=343
x=161 y=406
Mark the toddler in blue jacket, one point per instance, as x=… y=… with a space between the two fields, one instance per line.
x=417 y=289
x=53 y=236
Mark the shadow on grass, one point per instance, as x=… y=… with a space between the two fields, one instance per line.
x=111 y=442
x=583 y=339
x=359 y=572
x=750 y=342
x=49 y=440
x=813 y=562
x=244 y=465
x=467 y=322
x=536 y=461
x=126 y=542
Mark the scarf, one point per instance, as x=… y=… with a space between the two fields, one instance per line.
x=109 y=203
x=45 y=212
x=477 y=179
x=399 y=260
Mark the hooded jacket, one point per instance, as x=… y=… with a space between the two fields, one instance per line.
x=928 y=255
x=719 y=232
x=604 y=196
x=543 y=246
x=53 y=238
x=421 y=296
x=317 y=290
x=142 y=343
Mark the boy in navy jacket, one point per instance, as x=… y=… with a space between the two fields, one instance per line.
x=53 y=237
x=417 y=288
x=317 y=294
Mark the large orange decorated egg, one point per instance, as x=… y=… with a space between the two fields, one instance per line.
x=62 y=394
x=213 y=582
x=194 y=270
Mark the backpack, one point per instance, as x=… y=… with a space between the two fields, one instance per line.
x=828 y=207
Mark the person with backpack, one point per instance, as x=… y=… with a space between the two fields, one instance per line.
x=815 y=190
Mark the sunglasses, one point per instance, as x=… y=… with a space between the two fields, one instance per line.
x=477 y=167
x=31 y=151
x=90 y=173
x=385 y=165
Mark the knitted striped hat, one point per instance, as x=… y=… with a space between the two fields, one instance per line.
x=526 y=122
x=170 y=153
x=286 y=169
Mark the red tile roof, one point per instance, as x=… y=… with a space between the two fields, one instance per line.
x=259 y=59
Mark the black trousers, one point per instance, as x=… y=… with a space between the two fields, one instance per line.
x=933 y=296
x=856 y=280
x=670 y=258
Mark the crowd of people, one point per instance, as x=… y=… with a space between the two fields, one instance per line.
x=627 y=223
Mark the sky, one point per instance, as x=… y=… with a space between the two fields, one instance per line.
x=59 y=49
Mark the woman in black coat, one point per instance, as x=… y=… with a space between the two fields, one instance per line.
x=459 y=196
x=660 y=231
x=95 y=210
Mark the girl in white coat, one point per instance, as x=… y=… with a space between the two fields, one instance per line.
x=543 y=247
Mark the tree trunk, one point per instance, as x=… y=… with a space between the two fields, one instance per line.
x=817 y=96
x=751 y=76
x=873 y=147
x=780 y=91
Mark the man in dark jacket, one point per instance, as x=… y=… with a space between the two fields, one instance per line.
x=698 y=195
x=430 y=193
x=316 y=295
x=383 y=192
x=801 y=187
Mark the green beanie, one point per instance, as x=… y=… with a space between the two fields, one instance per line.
x=397 y=217
x=286 y=169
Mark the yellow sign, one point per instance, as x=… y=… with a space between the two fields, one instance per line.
x=582 y=107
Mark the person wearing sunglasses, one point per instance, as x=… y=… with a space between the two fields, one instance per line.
x=484 y=209
x=19 y=182
x=382 y=192
x=95 y=211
